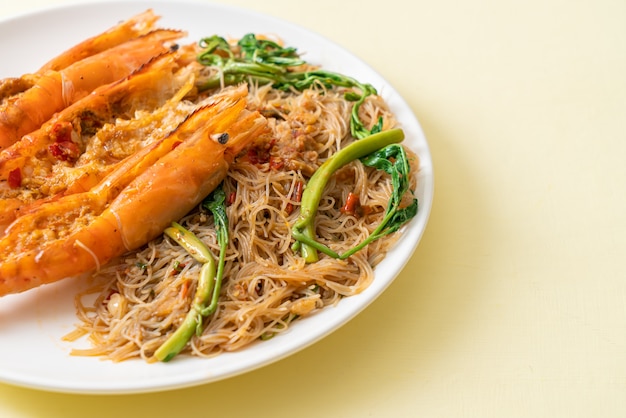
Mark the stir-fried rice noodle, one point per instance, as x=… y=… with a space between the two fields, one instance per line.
x=140 y=299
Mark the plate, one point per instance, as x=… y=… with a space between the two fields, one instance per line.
x=32 y=353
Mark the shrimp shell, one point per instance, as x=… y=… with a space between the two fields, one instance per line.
x=55 y=90
x=134 y=27
x=162 y=80
x=131 y=28
x=81 y=232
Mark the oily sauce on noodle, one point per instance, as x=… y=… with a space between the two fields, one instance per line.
x=141 y=298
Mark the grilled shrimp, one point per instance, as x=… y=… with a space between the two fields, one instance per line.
x=134 y=27
x=75 y=149
x=12 y=86
x=55 y=90
x=133 y=204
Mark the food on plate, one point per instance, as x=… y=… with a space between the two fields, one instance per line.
x=124 y=31
x=239 y=189
x=134 y=27
x=30 y=100
x=79 y=145
x=75 y=233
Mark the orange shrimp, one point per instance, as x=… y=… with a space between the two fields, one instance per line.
x=134 y=27
x=55 y=90
x=78 y=233
x=12 y=86
x=147 y=88
x=9 y=209
x=72 y=152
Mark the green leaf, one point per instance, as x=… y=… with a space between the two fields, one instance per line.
x=381 y=151
x=265 y=61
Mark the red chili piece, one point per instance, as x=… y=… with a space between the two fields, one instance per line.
x=276 y=163
x=62 y=131
x=260 y=154
x=15 y=178
x=296 y=195
x=352 y=206
x=231 y=198
x=64 y=151
x=63 y=148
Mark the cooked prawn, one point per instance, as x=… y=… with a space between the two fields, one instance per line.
x=77 y=147
x=12 y=86
x=134 y=27
x=78 y=233
x=55 y=90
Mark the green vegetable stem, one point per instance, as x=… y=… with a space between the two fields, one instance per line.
x=209 y=282
x=193 y=321
x=380 y=150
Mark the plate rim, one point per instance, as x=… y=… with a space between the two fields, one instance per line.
x=353 y=305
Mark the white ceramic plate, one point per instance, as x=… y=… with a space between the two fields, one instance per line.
x=32 y=353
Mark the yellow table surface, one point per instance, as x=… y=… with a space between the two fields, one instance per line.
x=514 y=304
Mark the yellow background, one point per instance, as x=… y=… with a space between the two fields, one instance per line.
x=514 y=304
